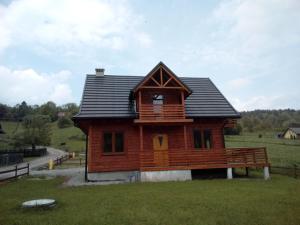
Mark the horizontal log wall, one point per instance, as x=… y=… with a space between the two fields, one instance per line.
x=98 y=162
x=130 y=160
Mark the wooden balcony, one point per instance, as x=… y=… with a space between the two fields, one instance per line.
x=166 y=113
x=177 y=159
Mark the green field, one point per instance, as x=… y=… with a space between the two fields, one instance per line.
x=73 y=137
x=249 y=201
x=281 y=152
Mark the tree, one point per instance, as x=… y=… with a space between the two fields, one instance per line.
x=49 y=109
x=21 y=110
x=36 y=131
x=71 y=109
x=4 y=111
x=64 y=122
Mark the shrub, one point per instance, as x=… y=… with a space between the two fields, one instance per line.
x=64 y=122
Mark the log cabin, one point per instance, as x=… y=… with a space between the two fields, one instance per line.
x=158 y=127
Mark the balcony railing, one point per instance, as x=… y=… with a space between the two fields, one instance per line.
x=164 y=112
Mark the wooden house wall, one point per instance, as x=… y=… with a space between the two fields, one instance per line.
x=130 y=160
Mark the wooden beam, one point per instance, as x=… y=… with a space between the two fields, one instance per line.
x=185 y=137
x=155 y=81
x=179 y=82
x=161 y=77
x=140 y=101
x=183 y=103
x=171 y=78
x=141 y=139
x=155 y=87
x=170 y=121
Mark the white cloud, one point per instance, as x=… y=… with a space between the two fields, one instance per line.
x=34 y=87
x=239 y=83
x=68 y=25
x=246 y=31
x=263 y=102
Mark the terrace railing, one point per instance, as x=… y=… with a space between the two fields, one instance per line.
x=203 y=159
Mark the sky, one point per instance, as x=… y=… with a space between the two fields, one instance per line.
x=249 y=48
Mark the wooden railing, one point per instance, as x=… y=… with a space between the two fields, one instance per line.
x=203 y=159
x=161 y=112
x=247 y=156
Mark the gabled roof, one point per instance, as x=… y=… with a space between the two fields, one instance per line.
x=166 y=78
x=295 y=129
x=109 y=97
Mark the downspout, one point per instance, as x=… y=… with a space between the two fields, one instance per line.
x=86 y=158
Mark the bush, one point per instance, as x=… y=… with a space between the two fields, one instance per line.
x=64 y=122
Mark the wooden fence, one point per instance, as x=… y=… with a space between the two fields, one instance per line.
x=289 y=171
x=14 y=173
x=60 y=160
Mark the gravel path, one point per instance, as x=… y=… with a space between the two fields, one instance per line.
x=75 y=176
x=52 y=153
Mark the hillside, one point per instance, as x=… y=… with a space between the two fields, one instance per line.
x=70 y=138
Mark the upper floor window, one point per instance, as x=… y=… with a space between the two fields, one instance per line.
x=158 y=99
x=113 y=142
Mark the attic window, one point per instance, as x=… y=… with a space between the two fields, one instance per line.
x=158 y=99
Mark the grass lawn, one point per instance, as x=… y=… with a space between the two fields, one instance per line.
x=72 y=136
x=219 y=201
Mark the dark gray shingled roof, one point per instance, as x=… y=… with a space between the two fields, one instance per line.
x=108 y=97
x=295 y=129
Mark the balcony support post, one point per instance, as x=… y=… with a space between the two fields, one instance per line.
x=185 y=137
x=229 y=173
x=266 y=173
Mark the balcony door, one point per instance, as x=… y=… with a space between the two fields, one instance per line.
x=160 y=150
x=158 y=101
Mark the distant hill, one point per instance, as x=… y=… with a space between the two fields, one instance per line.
x=269 y=119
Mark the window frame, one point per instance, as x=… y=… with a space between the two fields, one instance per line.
x=158 y=99
x=194 y=138
x=113 y=133
x=202 y=130
x=210 y=138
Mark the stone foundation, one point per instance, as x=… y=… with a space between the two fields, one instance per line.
x=169 y=175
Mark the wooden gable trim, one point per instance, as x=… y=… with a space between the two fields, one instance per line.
x=161 y=84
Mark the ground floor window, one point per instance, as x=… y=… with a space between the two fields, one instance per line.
x=113 y=142
x=202 y=139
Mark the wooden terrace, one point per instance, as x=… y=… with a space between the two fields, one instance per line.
x=176 y=159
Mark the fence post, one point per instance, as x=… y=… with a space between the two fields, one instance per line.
x=27 y=169
x=16 y=171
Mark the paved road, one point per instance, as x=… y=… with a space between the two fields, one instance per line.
x=34 y=164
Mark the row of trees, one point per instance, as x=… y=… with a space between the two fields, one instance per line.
x=276 y=120
x=35 y=121
x=19 y=111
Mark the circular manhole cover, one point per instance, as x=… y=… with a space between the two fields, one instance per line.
x=39 y=203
